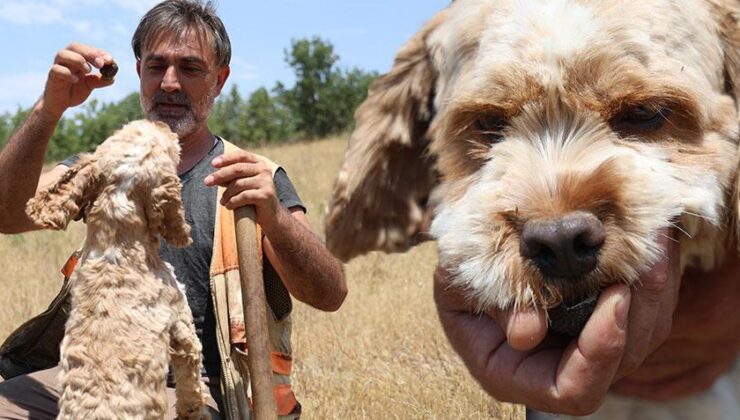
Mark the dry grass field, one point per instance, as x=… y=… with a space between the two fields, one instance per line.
x=381 y=356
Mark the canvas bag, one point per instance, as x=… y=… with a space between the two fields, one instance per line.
x=34 y=345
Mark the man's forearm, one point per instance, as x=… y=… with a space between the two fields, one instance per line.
x=308 y=269
x=21 y=162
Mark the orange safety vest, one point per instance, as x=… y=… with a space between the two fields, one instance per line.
x=227 y=303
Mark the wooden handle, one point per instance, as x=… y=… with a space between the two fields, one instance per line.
x=255 y=314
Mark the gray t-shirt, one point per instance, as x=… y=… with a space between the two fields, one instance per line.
x=192 y=264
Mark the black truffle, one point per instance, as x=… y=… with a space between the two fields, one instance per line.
x=570 y=319
x=109 y=71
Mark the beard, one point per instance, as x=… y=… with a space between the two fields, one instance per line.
x=177 y=110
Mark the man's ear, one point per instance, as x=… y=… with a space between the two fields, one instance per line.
x=381 y=191
x=221 y=78
x=164 y=211
x=56 y=205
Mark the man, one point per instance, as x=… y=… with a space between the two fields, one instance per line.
x=183 y=53
x=650 y=342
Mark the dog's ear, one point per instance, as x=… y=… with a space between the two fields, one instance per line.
x=381 y=191
x=729 y=15
x=164 y=212
x=56 y=205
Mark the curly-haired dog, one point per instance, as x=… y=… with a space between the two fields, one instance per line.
x=128 y=318
x=556 y=139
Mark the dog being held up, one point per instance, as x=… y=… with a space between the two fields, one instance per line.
x=129 y=319
x=557 y=143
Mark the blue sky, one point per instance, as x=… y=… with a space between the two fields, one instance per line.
x=365 y=34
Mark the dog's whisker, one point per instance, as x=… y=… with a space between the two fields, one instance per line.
x=700 y=216
x=670 y=238
x=679 y=228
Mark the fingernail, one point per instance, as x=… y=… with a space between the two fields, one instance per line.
x=99 y=62
x=107 y=58
x=621 y=309
x=209 y=180
x=216 y=161
x=75 y=79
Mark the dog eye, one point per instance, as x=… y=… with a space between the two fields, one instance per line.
x=491 y=127
x=643 y=118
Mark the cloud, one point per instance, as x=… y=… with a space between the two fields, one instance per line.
x=41 y=13
x=138 y=6
x=28 y=13
x=45 y=12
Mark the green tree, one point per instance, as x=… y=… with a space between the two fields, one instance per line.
x=5 y=129
x=10 y=122
x=226 y=117
x=266 y=118
x=324 y=97
x=87 y=129
x=313 y=63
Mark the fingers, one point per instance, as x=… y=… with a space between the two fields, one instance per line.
x=247 y=181
x=240 y=156
x=473 y=336
x=587 y=367
x=573 y=381
x=236 y=165
x=226 y=175
x=71 y=79
x=525 y=328
x=235 y=198
x=97 y=57
x=62 y=73
x=72 y=63
x=78 y=60
x=237 y=186
x=651 y=314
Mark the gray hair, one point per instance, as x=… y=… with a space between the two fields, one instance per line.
x=177 y=17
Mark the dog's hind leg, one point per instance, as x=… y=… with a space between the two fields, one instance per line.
x=186 y=364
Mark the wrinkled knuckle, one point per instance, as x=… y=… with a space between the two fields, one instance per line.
x=655 y=285
x=239 y=169
x=58 y=56
x=241 y=184
x=613 y=349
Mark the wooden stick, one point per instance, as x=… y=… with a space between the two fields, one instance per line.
x=255 y=315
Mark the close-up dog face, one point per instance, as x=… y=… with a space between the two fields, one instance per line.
x=556 y=142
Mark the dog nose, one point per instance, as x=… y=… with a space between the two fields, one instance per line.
x=567 y=247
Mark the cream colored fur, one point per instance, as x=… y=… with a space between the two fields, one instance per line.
x=559 y=75
x=129 y=320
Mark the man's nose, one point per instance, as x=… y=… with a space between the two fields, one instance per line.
x=170 y=81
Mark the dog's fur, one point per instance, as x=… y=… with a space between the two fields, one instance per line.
x=128 y=318
x=559 y=75
x=500 y=112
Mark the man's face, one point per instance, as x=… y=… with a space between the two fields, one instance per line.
x=180 y=80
